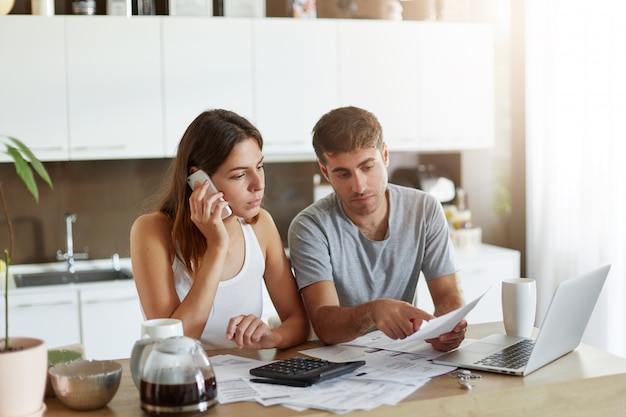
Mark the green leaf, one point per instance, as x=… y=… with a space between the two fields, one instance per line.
x=37 y=165
x=24 y=171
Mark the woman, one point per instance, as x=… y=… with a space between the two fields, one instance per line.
x=192 y=265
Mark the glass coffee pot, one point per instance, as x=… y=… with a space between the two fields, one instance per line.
x=177 y=378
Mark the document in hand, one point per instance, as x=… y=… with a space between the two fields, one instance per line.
x=429 y=330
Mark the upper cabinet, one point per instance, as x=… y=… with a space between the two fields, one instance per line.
x=456 y=86
x=378 y=72
x=109 y=87
x=114 y=87
x=207 y=63
x=295 y=79
x=33 y=98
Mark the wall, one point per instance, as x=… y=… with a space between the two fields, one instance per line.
x=107 y=196
x=494 y=179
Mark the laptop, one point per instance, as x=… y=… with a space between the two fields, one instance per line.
x=561 y=332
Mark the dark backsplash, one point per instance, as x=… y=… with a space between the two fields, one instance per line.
x=107 y=196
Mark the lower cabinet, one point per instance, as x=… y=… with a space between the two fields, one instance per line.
x=481 y=270
x=51 y=316
x=110 y=322
x=105 y=318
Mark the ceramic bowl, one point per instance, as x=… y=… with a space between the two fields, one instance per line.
x=59 y=355
x=86 y=384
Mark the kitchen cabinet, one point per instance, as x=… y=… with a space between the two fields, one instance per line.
x=207 y=63
x=378 y=71
x=295 y=80
x=104 y=317
x=50 y=315
x=33 y=86
x=481 y=270
x=109 y=87
x=110 y=321
x=114 y=87
x=456 y=86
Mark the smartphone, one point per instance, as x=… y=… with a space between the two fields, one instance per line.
x=201 y=176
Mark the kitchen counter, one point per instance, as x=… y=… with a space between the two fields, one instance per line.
x=585 y=382
x=81 y=265
x=104 y=316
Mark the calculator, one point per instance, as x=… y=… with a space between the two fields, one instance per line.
x=301 y=372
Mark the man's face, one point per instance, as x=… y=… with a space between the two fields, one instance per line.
x=359 y=179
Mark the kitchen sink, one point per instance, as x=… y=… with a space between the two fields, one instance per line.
x=64 y=277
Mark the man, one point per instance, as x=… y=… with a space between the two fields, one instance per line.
x=358 y=252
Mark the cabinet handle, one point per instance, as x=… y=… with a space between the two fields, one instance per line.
x=104 y=300
x=58 y=303
x=98 y=148
x=47 y=148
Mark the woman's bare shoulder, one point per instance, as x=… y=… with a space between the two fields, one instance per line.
x=264 y=220
x=152 y=224
x=265 y=229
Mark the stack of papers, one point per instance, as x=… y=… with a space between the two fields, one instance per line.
x=384 y=380
x=393 y=370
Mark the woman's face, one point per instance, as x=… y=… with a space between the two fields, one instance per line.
x=241 y=177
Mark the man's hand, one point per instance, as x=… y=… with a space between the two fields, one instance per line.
x=397 y=319
x=451 y=340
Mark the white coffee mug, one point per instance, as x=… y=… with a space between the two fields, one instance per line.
x=161 y=328
x=519 y=303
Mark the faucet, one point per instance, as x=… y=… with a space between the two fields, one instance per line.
x=69 y=254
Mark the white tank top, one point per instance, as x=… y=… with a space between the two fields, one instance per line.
x=241 y=294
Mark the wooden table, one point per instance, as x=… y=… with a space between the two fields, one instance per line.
x=586 y=382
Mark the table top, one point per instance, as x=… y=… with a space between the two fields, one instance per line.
x=587 y=381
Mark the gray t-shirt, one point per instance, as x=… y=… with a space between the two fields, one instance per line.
x=325 y=245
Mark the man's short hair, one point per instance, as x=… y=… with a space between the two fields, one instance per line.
x=346 y=129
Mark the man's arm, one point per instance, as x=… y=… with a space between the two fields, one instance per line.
x=445 y=293
x=335 y=324
x=447 y=297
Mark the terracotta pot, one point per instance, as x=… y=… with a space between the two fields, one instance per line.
x=23 y=377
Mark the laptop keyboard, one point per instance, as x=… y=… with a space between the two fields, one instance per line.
x=513 y=357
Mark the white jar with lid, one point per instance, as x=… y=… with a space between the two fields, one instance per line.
x=119 y=8
x=42 y=7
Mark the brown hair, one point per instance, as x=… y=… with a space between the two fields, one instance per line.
x=206 y=144
x=346 y=129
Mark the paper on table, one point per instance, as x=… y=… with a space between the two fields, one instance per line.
x=429 y=330
x=338 y=395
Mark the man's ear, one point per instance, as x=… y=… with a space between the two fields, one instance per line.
x=323 y=170
x=385 y=154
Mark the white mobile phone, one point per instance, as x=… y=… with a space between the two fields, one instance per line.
x=201 y=176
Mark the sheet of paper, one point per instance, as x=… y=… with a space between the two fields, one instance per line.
x=428 y=330
x=386 y=365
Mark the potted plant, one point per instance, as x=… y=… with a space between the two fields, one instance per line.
x=23 y=360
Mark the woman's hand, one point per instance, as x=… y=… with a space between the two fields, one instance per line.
x=206 y=209
x=249 y=331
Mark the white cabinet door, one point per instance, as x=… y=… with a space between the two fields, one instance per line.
x=480 y=270
x=51 y=316
x=456 y=86
x=295 y=80
x=207 y=63
x=114 y=87
x=378 y=72
x=32 y=84
x=111 y=321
